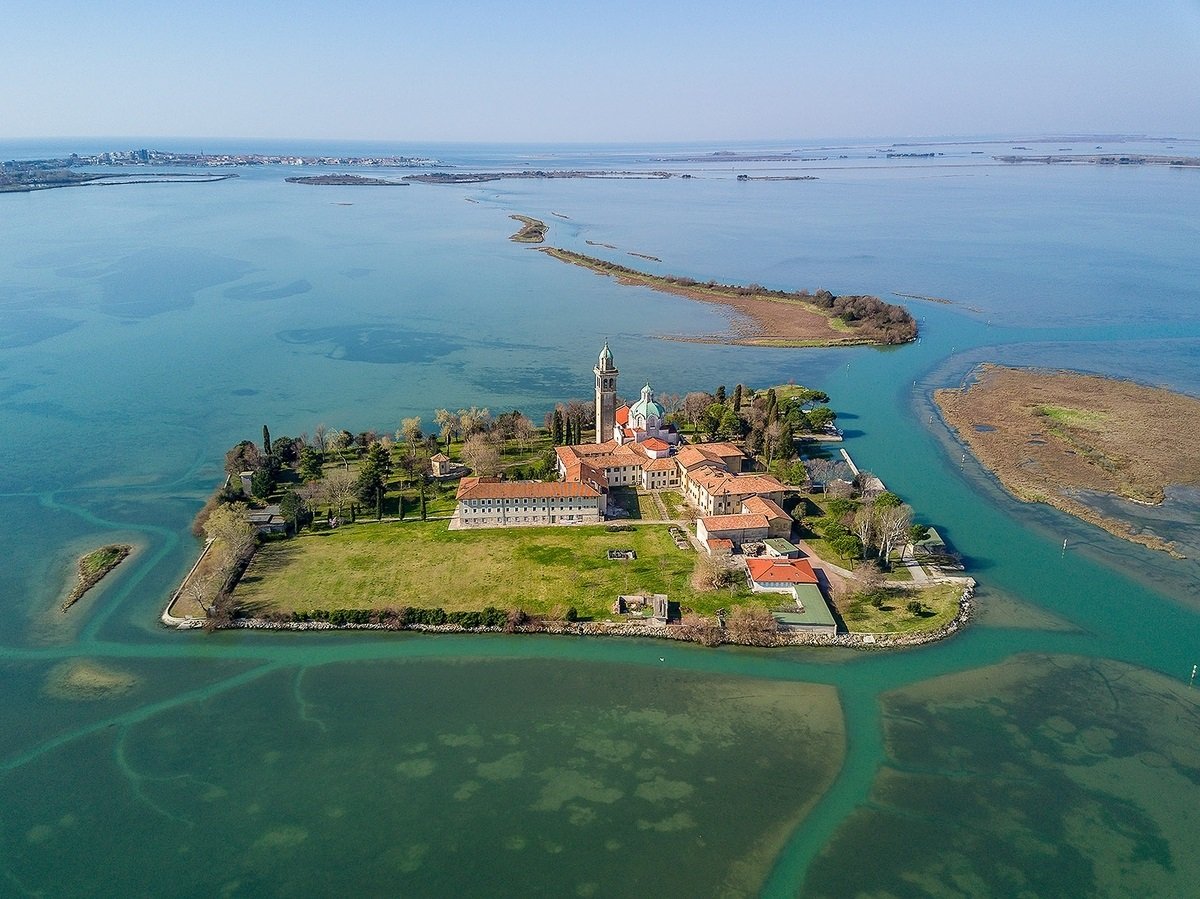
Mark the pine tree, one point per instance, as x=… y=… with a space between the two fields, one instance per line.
x=786 y=448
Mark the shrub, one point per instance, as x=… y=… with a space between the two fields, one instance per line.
x=914 y=606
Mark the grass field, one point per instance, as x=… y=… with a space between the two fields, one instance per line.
x=940 y=601
x=424 y=564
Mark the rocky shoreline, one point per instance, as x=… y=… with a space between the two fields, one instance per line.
x=712 y=636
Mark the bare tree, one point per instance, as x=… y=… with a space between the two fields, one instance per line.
x=864 y=525
x=695 y=405
x=523 y=431
x=410 y=430
x=714 y=570
x=474 y=420
x=228 y=526
x=449 y=424
x=868 y=578
x=481 y=454
x=752 y=622
x=892 y=524
x=339 y=488
x=578 y=412
x=319 y=433
x=203 y=583
x=233 y=541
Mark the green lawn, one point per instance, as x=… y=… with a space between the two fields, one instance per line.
x=647 y=507
x=940 y=601
x=424 y=564
x=673 y=501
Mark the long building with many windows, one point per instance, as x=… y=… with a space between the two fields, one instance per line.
x=493 y=503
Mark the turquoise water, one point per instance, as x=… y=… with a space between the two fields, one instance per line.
x=143 y=329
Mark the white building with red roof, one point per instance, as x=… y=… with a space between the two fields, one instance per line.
x=611 y=464
x=738 y=528
x=493 y=503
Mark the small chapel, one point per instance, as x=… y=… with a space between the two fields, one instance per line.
x=644 y=420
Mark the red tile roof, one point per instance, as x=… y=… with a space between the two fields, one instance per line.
x=494 y=488
x=653 y=443
x=786 y=571
x=734 y=522
x=658 y=465
x=720 y=544
x=761 y=505
x=622 y=415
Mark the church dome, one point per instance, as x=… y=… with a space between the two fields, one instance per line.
x=646 y=408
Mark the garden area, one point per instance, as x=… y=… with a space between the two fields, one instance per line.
x=900 y=610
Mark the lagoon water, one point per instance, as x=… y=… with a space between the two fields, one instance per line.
x=1048 y=750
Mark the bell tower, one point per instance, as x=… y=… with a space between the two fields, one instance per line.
x=606 y=395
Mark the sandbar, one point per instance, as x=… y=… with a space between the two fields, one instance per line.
x=773 y=317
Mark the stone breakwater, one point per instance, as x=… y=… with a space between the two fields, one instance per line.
x=689 y=634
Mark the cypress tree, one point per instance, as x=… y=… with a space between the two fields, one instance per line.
x=266 y=441
x=556 y=428
x=721 y=394
x=737 y=398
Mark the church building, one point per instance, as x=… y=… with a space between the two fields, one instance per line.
x=644 y=420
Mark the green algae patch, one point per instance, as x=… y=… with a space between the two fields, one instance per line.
x=82 y=680
x=1056 y=775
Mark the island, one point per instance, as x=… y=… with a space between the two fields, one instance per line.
x=1055 y=436
x=775 y=318
x=345 y=180
x=1103 y=159
x=532 y=230
x=93 y=567
x=715 y=518
x=27 y=180
x=483 y=177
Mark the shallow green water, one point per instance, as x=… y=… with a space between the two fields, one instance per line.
x=144 y=330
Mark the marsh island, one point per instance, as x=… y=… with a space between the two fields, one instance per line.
x=1051 y=435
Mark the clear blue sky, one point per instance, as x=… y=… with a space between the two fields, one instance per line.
x=610 y=70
